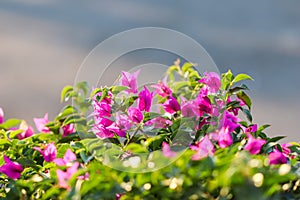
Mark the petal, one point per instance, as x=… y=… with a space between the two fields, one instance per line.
x=59 y=162
x=1 y=115
x=69 y=156
x=166 y=150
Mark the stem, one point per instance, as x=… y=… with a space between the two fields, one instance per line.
x=134 y=133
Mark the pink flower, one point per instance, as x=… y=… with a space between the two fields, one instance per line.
x=100 y=128
x=188 y=108
x=201 y=123
x=203 y=92
x=285 y=149
x=217 y=108
x=105 y=128
x=106 y=99
x=84 y=177
x=277 y=157
x=171 y=105
x=102 y=109
x=251 y=129
x=204 y=148
x=254 y=145
x=130 y=80
x=145 y=100
x=68 y=158
x=40 y=124
x=123 y=122
x=116 y=129
x=229 y=121
x=162 y=89
x=49 y=152
x=212 y=81
x=203 y=106
x=65 y=176
x=235 y=111
x=224 y=137
x=27 y=131
x=166 y=150
x=135 y=115
x=159 y=122
x=1 y=116
x=68 y=129
x=11 y=169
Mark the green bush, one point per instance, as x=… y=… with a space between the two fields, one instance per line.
x=189 y=136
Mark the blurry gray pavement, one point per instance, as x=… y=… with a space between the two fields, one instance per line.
x=43 y=43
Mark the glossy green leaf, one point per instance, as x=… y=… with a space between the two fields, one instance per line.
x=247 y=113
x=241 y=77
x=276 y=139
x=94 y=92
x=75 y=119
x=64 y=92
x=15 y=133
x=83 y=86
x=68 y=110
x=263 y=127
x=245 y=98
x=226 y=80
x=10 y=123
x=187 y=66
x=117 y=89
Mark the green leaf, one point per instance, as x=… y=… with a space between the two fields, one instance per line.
x=51 y=193
x=62 y=150
x=187 y=66
x=248 y=114
x=94 y=145
x=4 y=141
x=276 y=139
x=69 y=138
x=180 y=84
x=86 y=158
x=26 y=162
x=226 y=80
x=136 y=148
x=194 y=75
x=173 y=68
x=245 y=98
x=83 y=86
x=237 y=89
x=233 y=104
x=15 y=133
x=129 y=101
x=94 y=92
x=150 y=115
x=67 y=89
x=171 y=73
x=44 y=137
x=68 y=110
x=10 y=123
x=155 y=142
x=263 y=127
x=117 y=89
x=75 y=119
x=103 y=95
x=241 y=77
x=262 y=135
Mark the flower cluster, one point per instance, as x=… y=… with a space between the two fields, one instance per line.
x=206 y=107
x=195 y=138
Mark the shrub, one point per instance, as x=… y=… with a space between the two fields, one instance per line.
x=189 y=136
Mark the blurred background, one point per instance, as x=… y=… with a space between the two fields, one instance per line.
x=43 y=43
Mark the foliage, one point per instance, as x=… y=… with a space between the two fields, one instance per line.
x=190 y=137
